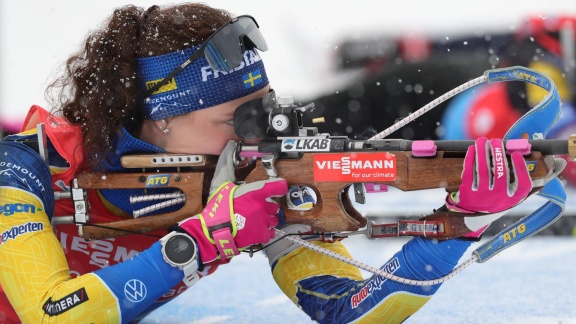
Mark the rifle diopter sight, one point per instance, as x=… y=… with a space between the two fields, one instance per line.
x=272 y=117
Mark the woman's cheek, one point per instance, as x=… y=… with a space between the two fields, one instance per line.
x=253 y=141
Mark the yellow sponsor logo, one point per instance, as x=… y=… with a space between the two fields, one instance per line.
x=218 y=198
x=212 y=212
x=227 y=251
x=531 y=165
x=514 y=232
x=160 y=180
x=171 y=85
x=527 y=77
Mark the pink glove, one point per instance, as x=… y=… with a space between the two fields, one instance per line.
x=236 y=217
x=486 y=185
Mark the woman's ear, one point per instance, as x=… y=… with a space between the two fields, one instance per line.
x=162 y=125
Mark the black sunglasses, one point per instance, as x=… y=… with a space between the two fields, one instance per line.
x=224 y=50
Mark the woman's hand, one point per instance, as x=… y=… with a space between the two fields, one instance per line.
x=486 y=180
x=236 y=216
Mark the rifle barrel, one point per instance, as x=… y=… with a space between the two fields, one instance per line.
x=546 y=147
x=344 y=144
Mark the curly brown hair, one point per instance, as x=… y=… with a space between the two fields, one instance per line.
x=98 y=91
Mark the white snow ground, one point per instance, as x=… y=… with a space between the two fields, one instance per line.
x=532 y=282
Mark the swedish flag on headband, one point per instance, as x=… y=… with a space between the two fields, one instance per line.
x=252 y=78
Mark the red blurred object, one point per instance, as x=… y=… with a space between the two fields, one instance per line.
x=492 y=114
x=543 y=30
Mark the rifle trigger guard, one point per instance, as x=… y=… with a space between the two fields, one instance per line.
x=359 y=195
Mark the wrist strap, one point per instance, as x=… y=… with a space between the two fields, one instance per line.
x=218 y=224
x=225 y=243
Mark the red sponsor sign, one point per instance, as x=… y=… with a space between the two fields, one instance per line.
x=354 y=167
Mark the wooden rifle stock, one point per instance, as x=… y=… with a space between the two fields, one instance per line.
x=333 y=210
x=190 y=183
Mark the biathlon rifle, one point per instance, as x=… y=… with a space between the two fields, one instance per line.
x=329 y=166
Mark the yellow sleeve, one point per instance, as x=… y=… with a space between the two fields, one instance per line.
x=35 y=273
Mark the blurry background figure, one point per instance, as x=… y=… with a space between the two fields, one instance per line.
x=400 y=75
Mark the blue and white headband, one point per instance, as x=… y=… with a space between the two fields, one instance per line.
x=198 y=86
